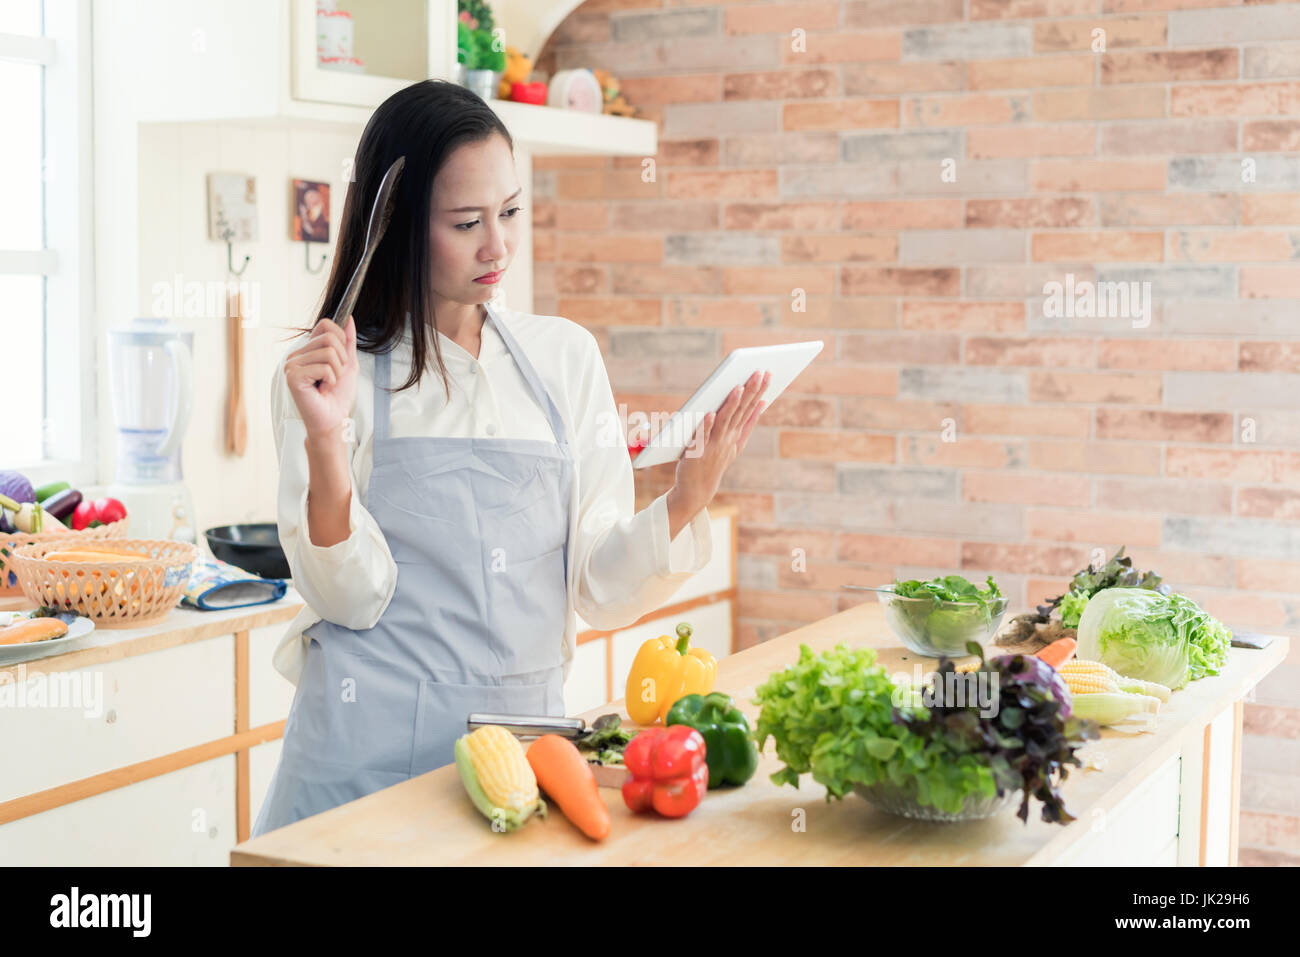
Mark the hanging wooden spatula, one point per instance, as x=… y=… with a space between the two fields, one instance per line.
x=236 y=417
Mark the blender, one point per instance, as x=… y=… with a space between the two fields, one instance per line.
x=151 y=376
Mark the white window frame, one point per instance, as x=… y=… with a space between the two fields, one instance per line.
x=67 y=260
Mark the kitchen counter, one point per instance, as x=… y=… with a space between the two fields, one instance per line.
x=1172 y=780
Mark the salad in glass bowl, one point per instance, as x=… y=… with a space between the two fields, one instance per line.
x=938 y=617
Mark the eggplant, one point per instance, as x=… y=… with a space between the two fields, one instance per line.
x=7 y=526
x=62 y=504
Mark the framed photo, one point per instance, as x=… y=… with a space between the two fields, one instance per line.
x=309 y=220
x=232 y=207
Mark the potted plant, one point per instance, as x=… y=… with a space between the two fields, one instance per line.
x=478 y=52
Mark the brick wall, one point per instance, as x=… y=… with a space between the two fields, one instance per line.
x=900 y=179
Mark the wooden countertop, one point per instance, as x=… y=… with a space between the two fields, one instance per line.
x=181 y=626
x=429 y=820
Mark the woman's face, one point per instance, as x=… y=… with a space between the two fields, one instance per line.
x=475 y=222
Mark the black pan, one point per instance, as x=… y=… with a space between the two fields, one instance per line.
x=254 y=548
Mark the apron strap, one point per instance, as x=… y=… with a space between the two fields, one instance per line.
x=382 y=397
x=531 y=377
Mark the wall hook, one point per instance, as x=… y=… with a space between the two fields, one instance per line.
x=230 y=263
x=306 y=248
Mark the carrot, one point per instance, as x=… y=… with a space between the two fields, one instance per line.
x=568 y=780
x=1059 y=651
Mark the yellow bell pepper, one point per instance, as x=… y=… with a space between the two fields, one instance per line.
x=663 y=671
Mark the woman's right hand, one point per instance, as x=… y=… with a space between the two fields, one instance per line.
x=330 y=358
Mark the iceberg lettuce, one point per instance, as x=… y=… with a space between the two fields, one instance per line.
x=1144 y=634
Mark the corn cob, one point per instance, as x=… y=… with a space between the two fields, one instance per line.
x=1091 y=677
x=1107 y=708
x=498 y=777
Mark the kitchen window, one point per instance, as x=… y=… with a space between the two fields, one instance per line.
x=46 y=269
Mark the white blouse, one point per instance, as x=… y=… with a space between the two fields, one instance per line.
x=621 y=562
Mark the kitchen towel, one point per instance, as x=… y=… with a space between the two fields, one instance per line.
x=215 y=584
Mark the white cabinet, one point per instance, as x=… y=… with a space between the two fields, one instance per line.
x=183 y=818
x=269 y=693
x=123 y=712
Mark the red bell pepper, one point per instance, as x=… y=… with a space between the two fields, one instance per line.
x=102 y=510
x=668 y=771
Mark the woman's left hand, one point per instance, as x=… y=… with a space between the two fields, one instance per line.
x=720 y=437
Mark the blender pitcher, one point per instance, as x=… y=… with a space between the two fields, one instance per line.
x=150 y=371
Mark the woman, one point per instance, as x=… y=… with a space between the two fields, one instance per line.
x=444 y=537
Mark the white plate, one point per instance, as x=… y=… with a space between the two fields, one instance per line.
x=29 y=651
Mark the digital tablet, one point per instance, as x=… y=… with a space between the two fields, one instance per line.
x=785 y=362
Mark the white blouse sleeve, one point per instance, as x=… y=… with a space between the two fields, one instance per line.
x=625 y=564
x=351 y=582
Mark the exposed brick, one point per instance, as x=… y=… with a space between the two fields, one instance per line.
x=865 y=79
x=961 y=246
x=828 y=576
x=1030 y=72
x=840 y=181
x=1229 y=173
x=777 y=281
x=1067 y=176
x=965 y=384
x=1275 y=503
x=1164 y=66
x=1165 y=355
x=1269 y=357
x=1270 y=282
x=1032 y=351
x=1231 y=390
x=1166 y=136
x=576 y=247
x=897 y=482
x=1025 y=489
x=758 y=539
x=1164 y=426
x=1099 y=104
x=1274 y=59
x=1274 y=209
x=1163 y=496
x=964 y=109
x=741 y=217
x=1065 y=35
x=1271 y=135
x=799 y=606
x=1266 y=574
x=1241 y=99
x=1102 y=458
x=768 y=149
x=895 y=414
x=658 y=90
x=1233 y=246
x=1025 y=559
x=1182 y=209
x=862 y=14
x=1024 y=9
x=890 y=281
x=839 y=247
x=782 y=17
x=1181 y=569
x=846 y=48
x=963 y=316
x=1069 y=140
x=840 y=114
x=1097 y=247
x=907 y=348
x=778 y=84
x=836 y=446
x=1093 y=528
x=1026 y=420
x=636 y=279
x=902 y=214
x=615 y=311
x=897 y=550
x=1239 y=25
x=662 y=214
x=964 y=452
x=1062 y=212
x=1232 y=465
x=969 y=41
x=972 y=176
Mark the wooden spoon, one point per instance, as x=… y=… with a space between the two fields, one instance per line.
x=236 y=418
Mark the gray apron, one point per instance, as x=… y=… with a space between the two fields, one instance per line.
x=478 y=528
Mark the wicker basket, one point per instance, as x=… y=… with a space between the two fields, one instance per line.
x=113 y=594
x=9 y=587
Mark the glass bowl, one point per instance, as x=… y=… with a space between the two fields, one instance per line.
x=939 y=629
x=901 y=800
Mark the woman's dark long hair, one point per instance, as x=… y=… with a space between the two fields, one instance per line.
x=424 y=122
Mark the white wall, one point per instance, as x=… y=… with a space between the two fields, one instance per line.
x=174 y=160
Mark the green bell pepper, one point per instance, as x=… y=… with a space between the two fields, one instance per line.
x=729 y=750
